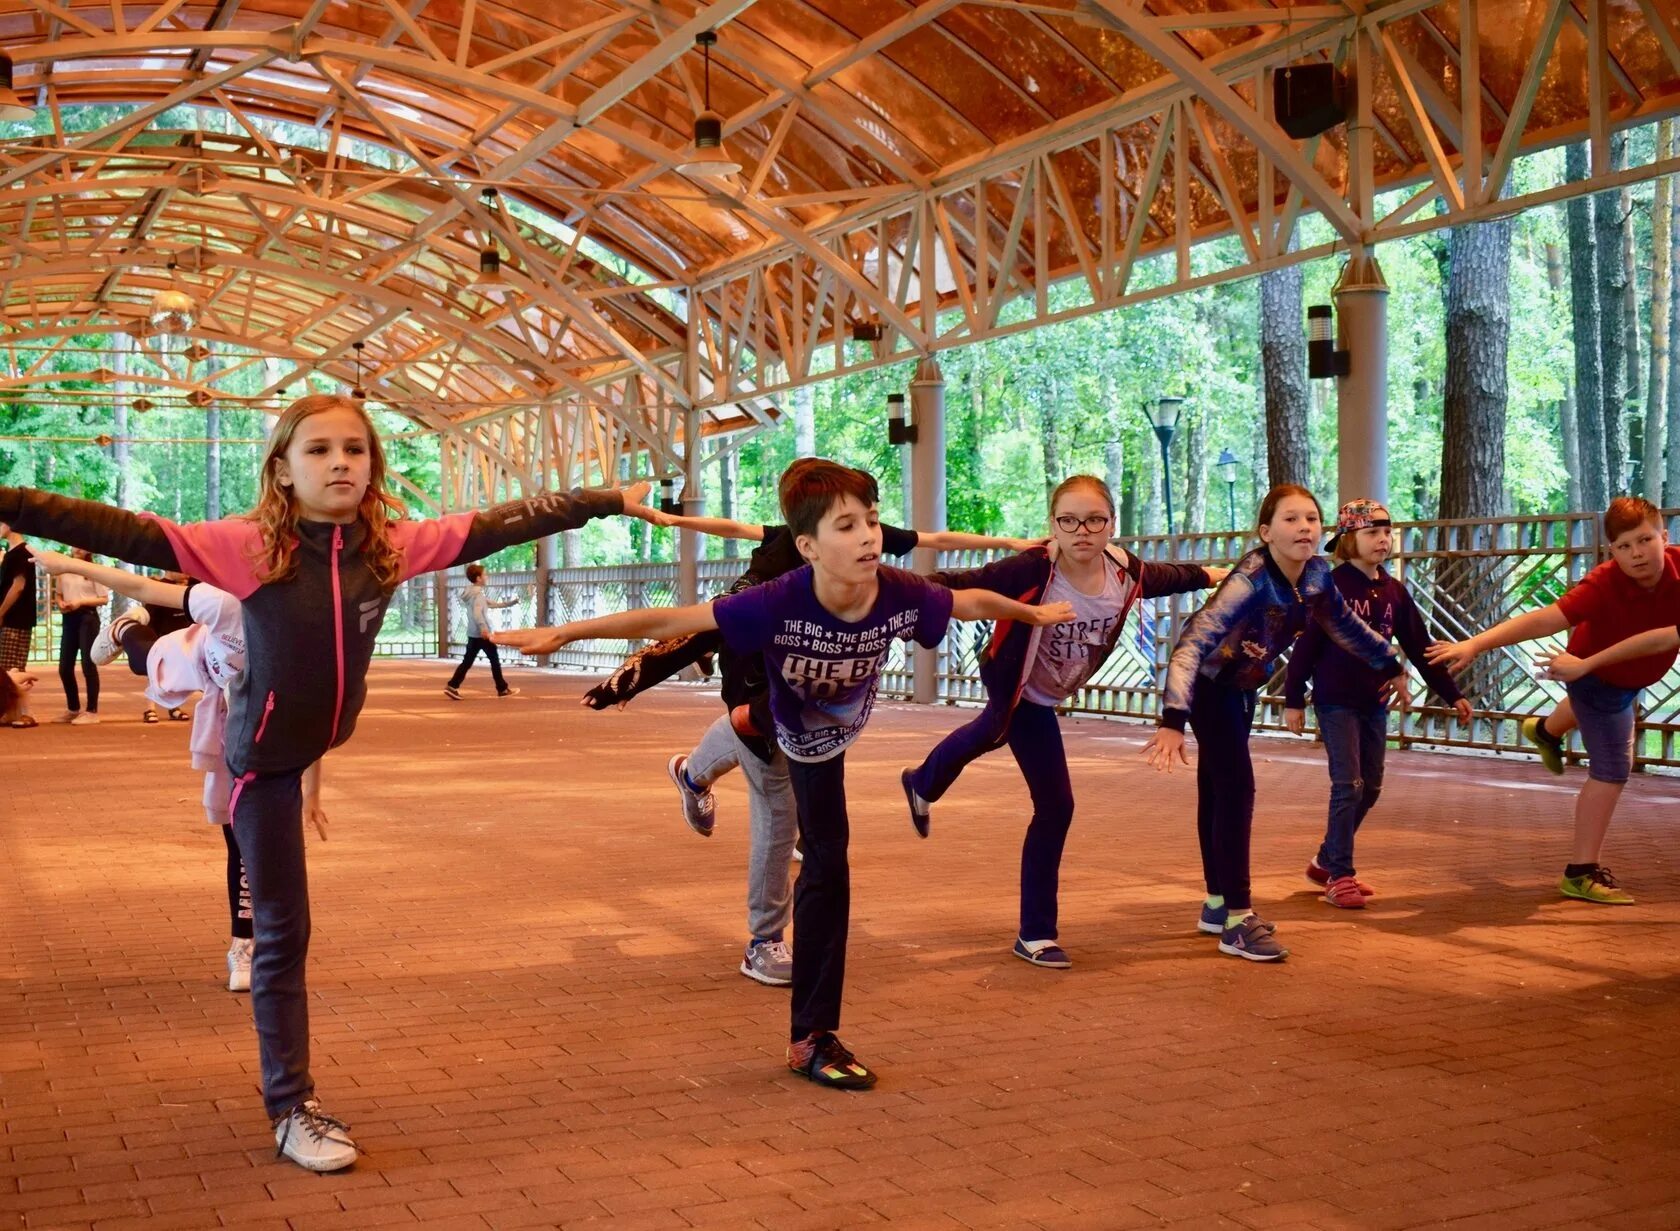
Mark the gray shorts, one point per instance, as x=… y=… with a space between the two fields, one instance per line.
x=1605 y=714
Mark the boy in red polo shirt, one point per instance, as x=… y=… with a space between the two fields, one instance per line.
x=1634 y=592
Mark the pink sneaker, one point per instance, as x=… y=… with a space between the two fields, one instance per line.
x=1344 y=892
x=1319 y=875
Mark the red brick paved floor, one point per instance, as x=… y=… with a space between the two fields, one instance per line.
x=525 y=998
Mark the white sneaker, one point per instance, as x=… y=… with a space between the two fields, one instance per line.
x=239 y=965
x=84 y=719
x=67 y=716
x=314 y=1140
x=107 y=644
x=699 y=806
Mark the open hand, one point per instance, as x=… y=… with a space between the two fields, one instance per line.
x=637 y=494
x=1462 y=711
x=1396 y=690
x=533 y=640
x=1052 y=613
x=1295 y=721
x=49 y=561
x=1215 y=575
x=1026 y=544
x=315 y=816
x=1166 y=746
x=25 y=680
x=1561 y=665
x=1453 y=655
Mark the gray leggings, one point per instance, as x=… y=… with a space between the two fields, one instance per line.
x=268 y=825
x=771 y=814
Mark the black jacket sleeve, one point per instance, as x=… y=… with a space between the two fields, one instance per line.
x=1158 y=579
x=99 y=528
x=651 y=665
x=1414 y=638
x=521 y=521
x=1303 y=661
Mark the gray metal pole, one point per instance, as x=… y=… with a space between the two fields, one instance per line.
x=1362 y=395
x=927 y=496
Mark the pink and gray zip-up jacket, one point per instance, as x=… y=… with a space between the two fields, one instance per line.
x=309 y=639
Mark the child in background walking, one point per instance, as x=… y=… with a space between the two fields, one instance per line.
x=1350 y=699
x=79 y=601
x=478 y=636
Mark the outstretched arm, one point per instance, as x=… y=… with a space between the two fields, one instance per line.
x=1457 y=655
x=961 y=540
x=1565 y=666
x=985 y=605
x=129 y=585
x=87 y=523
x=717 y=527
x=645 y=623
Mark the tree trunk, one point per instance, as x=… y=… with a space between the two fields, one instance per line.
x=1195 y=473
x=1662 y=276
x=804 y=421
x=1114 y=448
x=1671 y=483
x=1051 y=440
x=1478 y=338
x=1283 y=363
x=570 y=551
x=1589 y=358
x=1568 y=427
x=212 y=462
x=120 y=451
x=1478 y=329
x=1608 y=220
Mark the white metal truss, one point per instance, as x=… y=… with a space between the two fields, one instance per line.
x=875 y=195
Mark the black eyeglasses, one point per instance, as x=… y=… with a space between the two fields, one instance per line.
x=1067 y=523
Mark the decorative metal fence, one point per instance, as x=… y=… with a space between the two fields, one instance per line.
x=1465 y=575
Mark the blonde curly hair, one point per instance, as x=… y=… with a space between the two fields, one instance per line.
x=277 y=510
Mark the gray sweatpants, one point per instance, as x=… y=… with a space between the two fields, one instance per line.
x=773 y=818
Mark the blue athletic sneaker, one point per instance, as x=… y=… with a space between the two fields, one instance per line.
x=1042 y=953
x=1252 y=939
x=1213 y=920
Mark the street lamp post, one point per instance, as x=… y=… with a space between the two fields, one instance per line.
x=1163 y=417
x=1227 y=464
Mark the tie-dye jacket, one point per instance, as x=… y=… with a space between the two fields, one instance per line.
x=1252 y=618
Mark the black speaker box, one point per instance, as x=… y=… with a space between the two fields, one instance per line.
x=1307 y=99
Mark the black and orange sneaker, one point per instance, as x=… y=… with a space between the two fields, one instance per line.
x=824 y=1059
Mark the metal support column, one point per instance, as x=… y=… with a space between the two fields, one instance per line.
x=1362 y=395
x=927 y=497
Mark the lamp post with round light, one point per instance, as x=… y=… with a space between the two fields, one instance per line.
x=1163 y=417
x=1227 y=465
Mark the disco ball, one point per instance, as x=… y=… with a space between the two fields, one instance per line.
x=172 y=312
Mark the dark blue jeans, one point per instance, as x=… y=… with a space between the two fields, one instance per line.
x=1035 y=737
x=1355 y=741
x=1222 y=718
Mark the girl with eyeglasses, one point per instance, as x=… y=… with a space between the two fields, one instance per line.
x=1029 y=671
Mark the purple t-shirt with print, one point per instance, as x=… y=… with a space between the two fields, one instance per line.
x=824 y=670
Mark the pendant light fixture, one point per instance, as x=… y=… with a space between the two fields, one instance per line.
x=708 y=159
x=173 y=310
x=359 y=393
x=12 y=107
x=489 y=275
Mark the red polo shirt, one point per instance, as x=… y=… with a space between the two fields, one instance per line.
x=1607 y=606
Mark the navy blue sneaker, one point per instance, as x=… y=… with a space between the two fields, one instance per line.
x=1252 y=939
x=1213 y=920
x=920 y=816
x=1042 y=953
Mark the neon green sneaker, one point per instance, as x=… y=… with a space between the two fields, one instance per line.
x=1549 y=747
x=1595 y=886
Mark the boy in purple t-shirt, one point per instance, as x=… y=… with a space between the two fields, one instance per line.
x=824 y=630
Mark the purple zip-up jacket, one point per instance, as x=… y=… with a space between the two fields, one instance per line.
x=1008 y=656
x=309 y=639
x=1338 y=678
